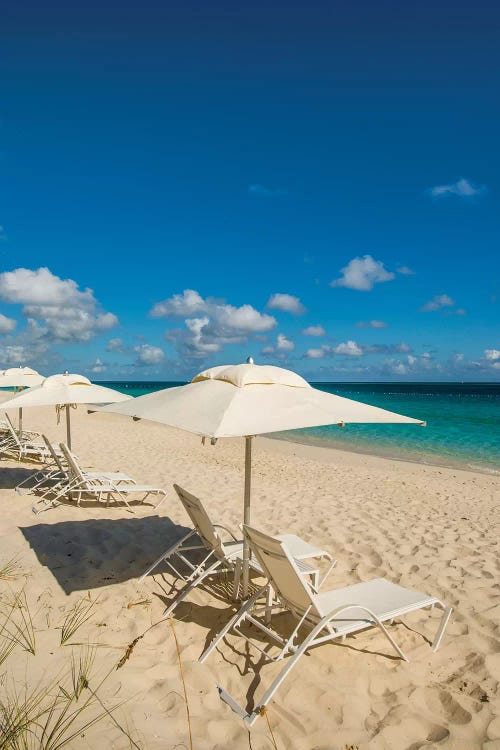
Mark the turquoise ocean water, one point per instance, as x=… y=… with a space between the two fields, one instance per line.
x=463 y=421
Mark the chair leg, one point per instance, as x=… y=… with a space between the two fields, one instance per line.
x=250 y=719
x=161 y=501
x=187 y=589
x=442 y=627
x=166 y=554
x=240 y=615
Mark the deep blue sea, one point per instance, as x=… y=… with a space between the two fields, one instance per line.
x=463 y=421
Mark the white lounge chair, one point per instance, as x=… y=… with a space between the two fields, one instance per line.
x=27 y=445
x=101 y=486
x=327 y=616
x=48 y=476
x=55 y=479
x=218 y=556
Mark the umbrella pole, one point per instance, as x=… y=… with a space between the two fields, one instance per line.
x=20 y=422
x=246 y=514
x=68 y=427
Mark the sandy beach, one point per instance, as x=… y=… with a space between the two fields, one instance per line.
x=430 y=528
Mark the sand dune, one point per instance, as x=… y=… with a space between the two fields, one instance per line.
x=434 y=529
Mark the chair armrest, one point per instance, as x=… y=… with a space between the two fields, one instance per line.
x=228 y=531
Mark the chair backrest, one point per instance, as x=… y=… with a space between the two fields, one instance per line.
x=12 y=431
x=54 y=455
x=282 y=572
x=201 y=521
x=73 y=465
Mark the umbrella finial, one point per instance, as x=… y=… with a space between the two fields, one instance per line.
x=250 y=361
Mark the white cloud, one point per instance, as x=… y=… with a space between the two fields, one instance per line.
x=492 y=355
x=149 y=355
x=315 y=353
x=314 y=331
x=283 y=345
x=210 y=323
x=462 y=188
x=371 y=324
x=245 y=318
x=98 y=366
x=58 y=308
x=7 y=325
x=182 y=305
x=437 y=303
x=362 y=274
x=348 y=349
x=15 y=354
x=405 y=271
x=115 y=345
x=287 y=303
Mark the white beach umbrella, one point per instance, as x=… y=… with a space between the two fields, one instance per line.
x=20 y=377
x=65 y=391
x=248 y=400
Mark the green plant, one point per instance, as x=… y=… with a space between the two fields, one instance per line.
x=78 y=615
x=17 y=626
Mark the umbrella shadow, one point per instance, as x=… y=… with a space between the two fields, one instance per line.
x=89 y=554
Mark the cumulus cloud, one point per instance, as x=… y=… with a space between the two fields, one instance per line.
x=57 y=308
x=405 y=271
x=149 y=355
x=314 y=331
x=210 y=323
x=261 y=191
x=462 y=188
x=7 y=325
x=15 y=354
x=182 y=305
x=362 y=274
x=115 y=345
x=287 y=303
x=437 y=303
x=98 y=366
x=282 y=346
x=348 y=349
x=371 y=324
x=353 y=349
x=315 y=353
x=492 y=355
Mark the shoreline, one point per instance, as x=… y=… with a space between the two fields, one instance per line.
x=331 y=445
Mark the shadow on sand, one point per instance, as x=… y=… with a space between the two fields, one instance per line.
x=89 y=554
x=11 y=476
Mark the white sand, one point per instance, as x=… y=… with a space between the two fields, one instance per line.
x=430 y=528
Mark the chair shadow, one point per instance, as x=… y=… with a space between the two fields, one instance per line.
x=11 y=476
x=91 y=553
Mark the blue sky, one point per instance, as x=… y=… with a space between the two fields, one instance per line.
x=315 y=184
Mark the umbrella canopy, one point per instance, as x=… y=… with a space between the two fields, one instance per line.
x=65 y=390
x=248 y=400
x=20 y=377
